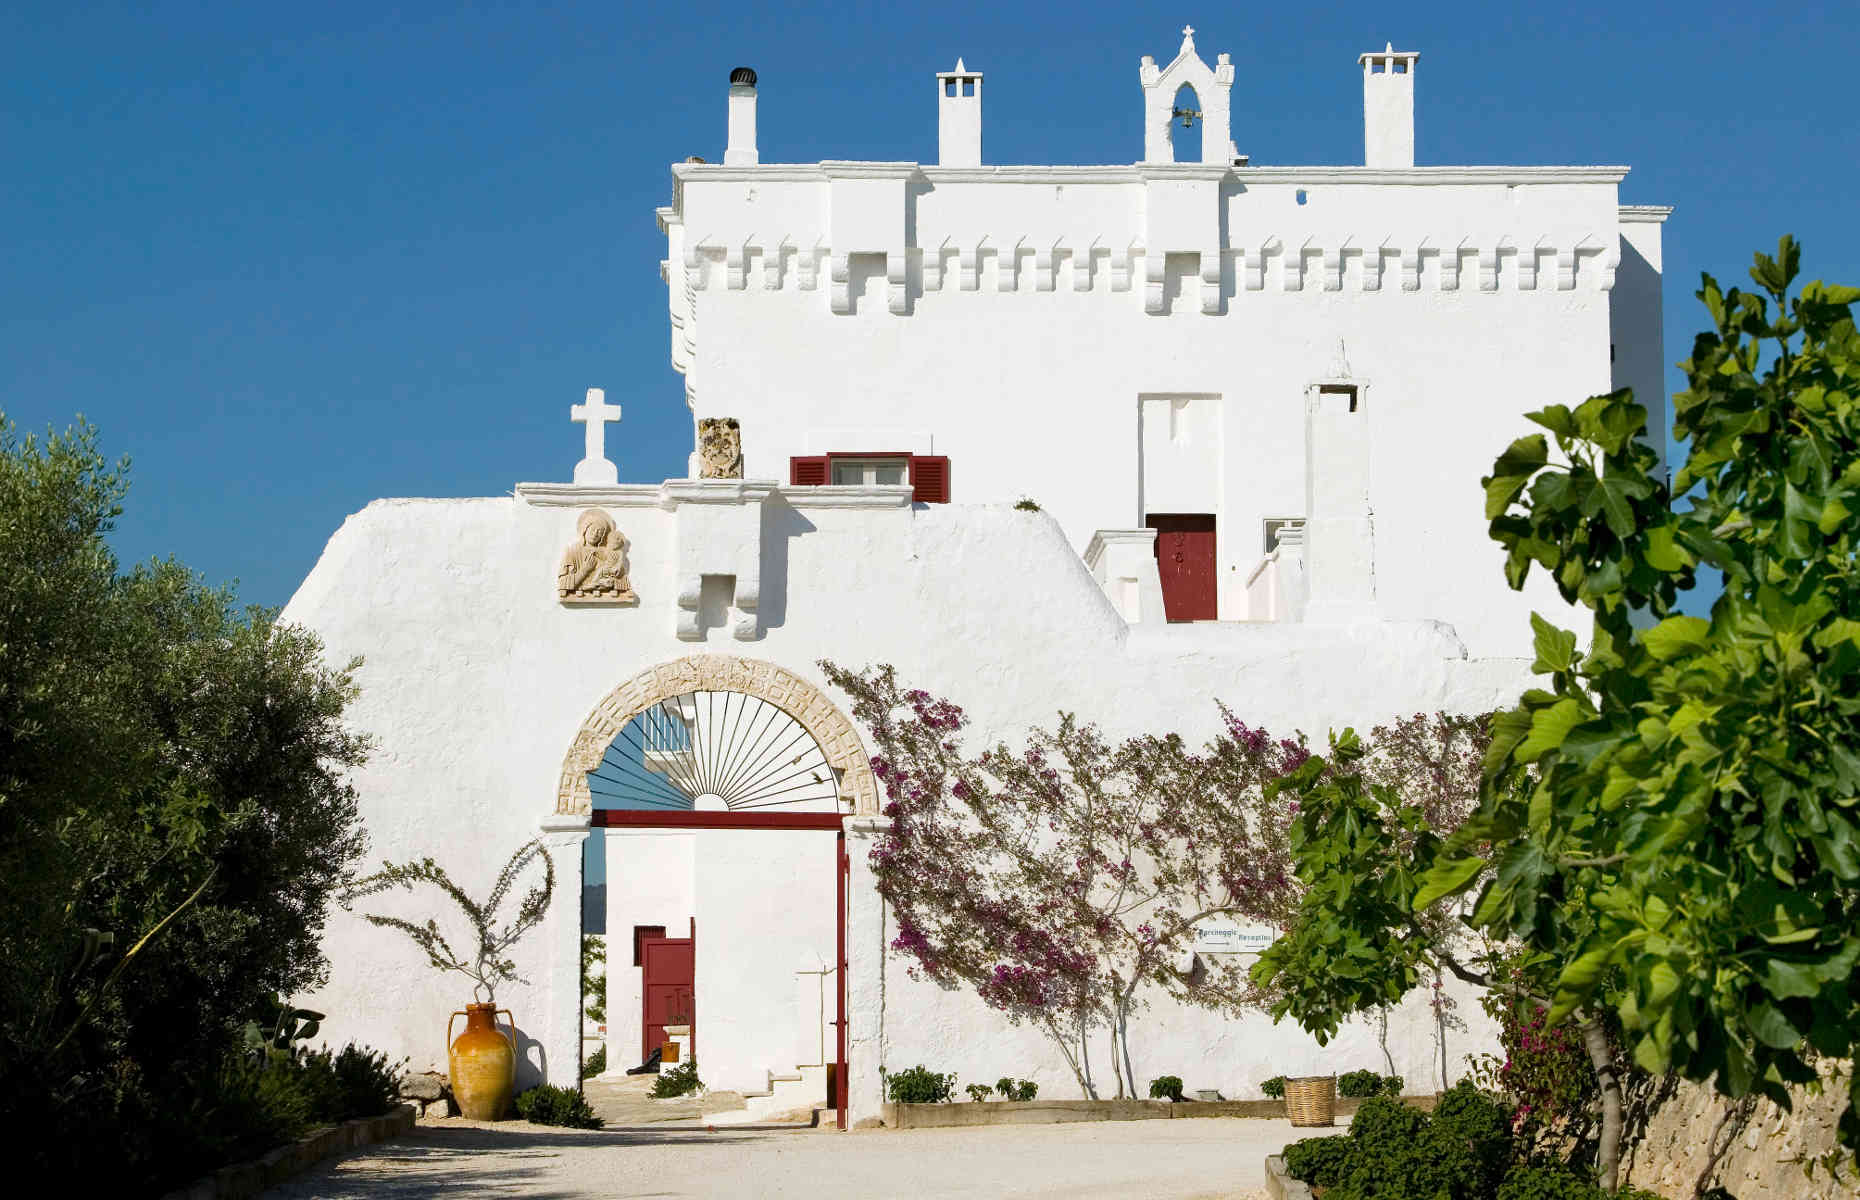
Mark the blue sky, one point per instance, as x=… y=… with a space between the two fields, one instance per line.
x=291 y=258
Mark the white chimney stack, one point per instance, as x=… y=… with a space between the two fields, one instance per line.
x=741 y=150
x=959 y=117
x=1388 y=106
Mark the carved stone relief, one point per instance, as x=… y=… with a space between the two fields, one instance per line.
x=720 y=448
x=594 y=569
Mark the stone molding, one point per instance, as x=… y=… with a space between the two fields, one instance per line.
x=807 y=704
x=1442 y=176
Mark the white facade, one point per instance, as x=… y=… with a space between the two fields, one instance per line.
x=1343 y=348
x=1019 y=319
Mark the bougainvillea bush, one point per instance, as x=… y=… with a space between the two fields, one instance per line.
x=1062 y=880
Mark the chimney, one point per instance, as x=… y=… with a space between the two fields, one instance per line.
x=741 y=151
x=959 y=117
x=1388 y=106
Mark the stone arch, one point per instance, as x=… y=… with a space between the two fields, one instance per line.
x=807 y=704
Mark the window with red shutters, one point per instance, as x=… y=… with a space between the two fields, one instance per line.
x=930 y=478
x=928 y=474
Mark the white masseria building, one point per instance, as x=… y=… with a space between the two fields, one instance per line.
x=1253 y=404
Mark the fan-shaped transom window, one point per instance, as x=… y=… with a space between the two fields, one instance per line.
x=715 y=751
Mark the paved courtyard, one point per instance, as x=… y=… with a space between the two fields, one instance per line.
x=1213 y=1157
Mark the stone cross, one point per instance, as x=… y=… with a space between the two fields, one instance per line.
x=594 y=466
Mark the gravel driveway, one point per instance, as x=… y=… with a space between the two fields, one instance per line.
x=1212 y=1157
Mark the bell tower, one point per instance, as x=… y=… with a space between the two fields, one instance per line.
x=1212 y=88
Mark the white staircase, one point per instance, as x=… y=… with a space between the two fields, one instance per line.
x=790 y=1092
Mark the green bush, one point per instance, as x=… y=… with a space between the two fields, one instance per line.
x=1320 y=1161
x=680 y=1080
x=1548 y=1183
x=1166 y=1087
x=595 y=1064
x=1274 y=1087
x=1026 y=1089
x=1361 y=1084
x=1470 y=1136
x=1391 y=1159
x=920 y=1085
x=549 y=1105
x=978 y=1092
x=1394 y=1152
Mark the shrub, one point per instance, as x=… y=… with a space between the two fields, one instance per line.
x=546 y=1104
x=595 y=1063
x=367 y=1084
x=1166 y=1087
x=1026 y=1089
x=680 y=1080
x=1368 y=1083
x=921 y=1085
x=1548 y=1183
x=978 y=1091
x=1471 y=1137
x=1024 y=504
x=1320 y=1161
x=1274 y=1087
x=1394 y=1152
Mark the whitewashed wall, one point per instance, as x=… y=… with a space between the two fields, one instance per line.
x=1013 y=318
x=475 y=681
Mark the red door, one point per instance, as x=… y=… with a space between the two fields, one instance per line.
x=1185 y=559
x=668 y=966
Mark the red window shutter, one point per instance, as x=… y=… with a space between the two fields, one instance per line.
x=807 y=471
x=930 y=478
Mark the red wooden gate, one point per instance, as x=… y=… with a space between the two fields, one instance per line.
x=1185 y=560
x=668 y=976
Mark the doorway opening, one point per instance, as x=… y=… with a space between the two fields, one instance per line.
x=1185 y=560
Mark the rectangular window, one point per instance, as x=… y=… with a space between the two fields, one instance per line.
x=927 y=474
x=870 y=470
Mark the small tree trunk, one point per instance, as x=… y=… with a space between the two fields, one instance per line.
x=1440 y=1034
x=1382 y=1036
x=1123 y=1040
x=1065 y=1049
x=1608 y=1152
x=1091 y=1091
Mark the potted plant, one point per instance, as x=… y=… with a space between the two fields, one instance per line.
x=483 y=1059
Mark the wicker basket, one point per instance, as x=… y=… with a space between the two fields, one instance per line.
x=1311 y=1100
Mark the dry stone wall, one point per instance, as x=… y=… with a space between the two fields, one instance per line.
x=1769 y=1154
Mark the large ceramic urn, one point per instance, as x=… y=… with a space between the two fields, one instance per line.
x=484 y=1063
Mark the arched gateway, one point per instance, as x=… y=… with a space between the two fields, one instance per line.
x=721 y=781
x=666 y=683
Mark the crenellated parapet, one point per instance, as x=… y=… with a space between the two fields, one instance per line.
x=1175 y=235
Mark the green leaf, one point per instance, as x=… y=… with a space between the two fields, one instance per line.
x=1514 y=468
x=1549 y=726
x=1577 y=981
x=1676 y=636
x=1445 y=879
x=1556 y=648
x=1785 y=980
x=1664 y=553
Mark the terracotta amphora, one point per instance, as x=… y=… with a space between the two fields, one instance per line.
x=484 y=1063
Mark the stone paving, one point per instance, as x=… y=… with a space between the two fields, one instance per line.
x=1197 y=1158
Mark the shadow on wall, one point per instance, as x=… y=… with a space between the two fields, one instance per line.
x=532 y=1059
x=781 y=524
